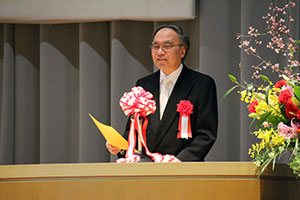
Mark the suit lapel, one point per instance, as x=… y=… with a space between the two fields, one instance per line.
x=154 y=89
x=180 y=92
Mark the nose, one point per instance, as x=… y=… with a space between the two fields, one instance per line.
x=160 y=51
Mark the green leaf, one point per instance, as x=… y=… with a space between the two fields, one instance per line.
x=275 y=120
x=282 y=110
x=296 y=147
x=252 y=115
x=263 y=118
x=274 y=161
x=228 y=92
x=250 y=86
x=232 y=78
x=281 y=149
x=291 y=50
x=297 y=42
x=264 y=165
x=296 y=101
x=253 y=120
x=297 y=91
x=265 y=78
x=285 y=77
x=267 y=94
x=290 y=84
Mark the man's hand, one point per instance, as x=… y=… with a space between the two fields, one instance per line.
x=170 y=159
x=112 y=149
x=175 y=160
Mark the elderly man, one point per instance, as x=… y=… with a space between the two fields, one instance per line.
x=171 y=84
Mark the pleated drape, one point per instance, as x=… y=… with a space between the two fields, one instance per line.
x=219 y=56
x=27 y=94
x=94 y=89
x=8 y=97
x=59 y=86
x=53 y=75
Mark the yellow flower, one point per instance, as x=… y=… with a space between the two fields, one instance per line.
x=262 y=107
x=268 y=138
x=243 y=94
x=262 y=144
x=272 y=104
x=277 y=140
x=247 y=99
x=275 y=90
x=251 y=153
x=256 y=148
x=263 y=135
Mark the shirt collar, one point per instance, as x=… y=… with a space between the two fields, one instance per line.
x=173 y=76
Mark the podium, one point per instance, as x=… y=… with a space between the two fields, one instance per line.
x=158 y=181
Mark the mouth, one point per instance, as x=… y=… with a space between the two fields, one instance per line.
x=161 y=59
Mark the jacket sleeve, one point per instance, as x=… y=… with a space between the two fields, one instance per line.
x=204 y=124
x=125 y=135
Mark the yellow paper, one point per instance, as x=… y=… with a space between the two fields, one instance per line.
x=111 y=135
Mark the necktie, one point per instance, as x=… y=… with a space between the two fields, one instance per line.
x=164 y=95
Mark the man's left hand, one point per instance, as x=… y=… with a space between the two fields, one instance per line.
x=176 y=160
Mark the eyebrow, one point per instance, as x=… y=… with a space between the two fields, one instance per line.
x=166 y=42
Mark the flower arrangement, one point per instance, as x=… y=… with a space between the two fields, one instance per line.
x=274 y=108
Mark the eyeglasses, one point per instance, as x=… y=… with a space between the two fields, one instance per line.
x=164 y=47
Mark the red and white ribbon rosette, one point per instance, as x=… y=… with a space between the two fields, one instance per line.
x=138 y=103
x=185 y=108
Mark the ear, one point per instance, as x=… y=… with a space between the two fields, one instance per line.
x=182 y=51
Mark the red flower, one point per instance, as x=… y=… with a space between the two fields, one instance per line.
x=185 y=107
x=279 y=84
x=252 y=106
x=298 y=114
x=290 y=109
x=284 y=96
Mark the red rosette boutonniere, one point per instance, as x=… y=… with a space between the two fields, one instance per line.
x=185 y=108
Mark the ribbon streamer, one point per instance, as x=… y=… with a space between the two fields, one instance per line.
x=138 y=103
x=185 y=108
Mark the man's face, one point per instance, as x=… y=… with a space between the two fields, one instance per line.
x=170 y=59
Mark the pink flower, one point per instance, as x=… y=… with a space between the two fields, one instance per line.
x=289 y=88
x=252 y=49
x=266 y=125
x=251 y=29
x=284 y=96
x=291 y=40
x=293 y=4
x=288 y=132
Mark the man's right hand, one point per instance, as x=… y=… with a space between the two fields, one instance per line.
x=112 y=149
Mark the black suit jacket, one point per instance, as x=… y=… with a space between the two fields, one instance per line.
x=161 y=134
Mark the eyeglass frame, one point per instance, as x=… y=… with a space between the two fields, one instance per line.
x=163 y=48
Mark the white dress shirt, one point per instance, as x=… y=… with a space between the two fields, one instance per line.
x=167 y=83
